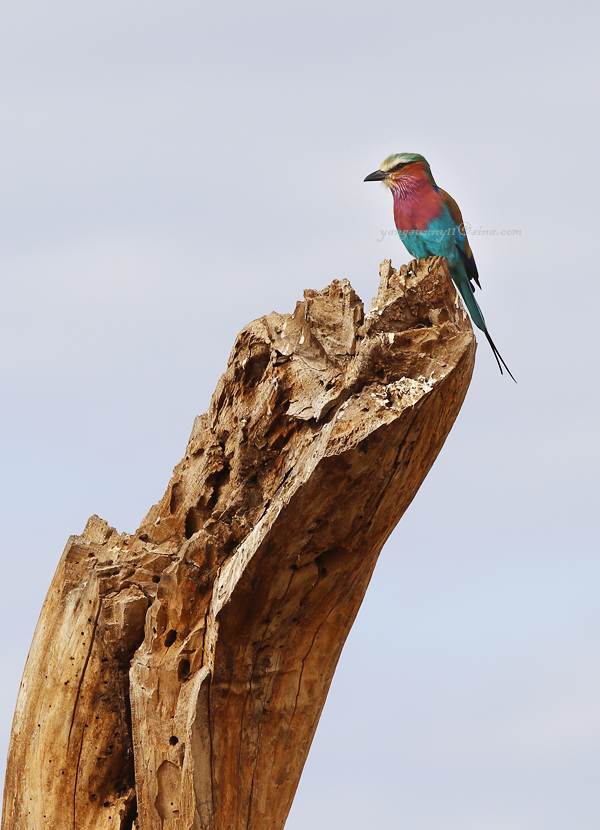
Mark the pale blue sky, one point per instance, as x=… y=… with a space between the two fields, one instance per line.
x=169 y=171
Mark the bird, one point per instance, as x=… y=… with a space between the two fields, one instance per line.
x=429 y=223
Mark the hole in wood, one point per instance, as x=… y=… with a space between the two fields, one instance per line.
x=183 y=669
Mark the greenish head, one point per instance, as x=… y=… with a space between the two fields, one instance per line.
x=396 y=165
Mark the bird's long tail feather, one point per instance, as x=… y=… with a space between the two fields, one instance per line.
x=497 y=355
x=466 y=291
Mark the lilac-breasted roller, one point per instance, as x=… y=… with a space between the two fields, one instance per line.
x=429 y=223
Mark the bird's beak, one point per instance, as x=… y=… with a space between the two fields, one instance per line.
x=377 y=176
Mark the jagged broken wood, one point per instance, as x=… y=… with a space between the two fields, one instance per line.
x=177 y=676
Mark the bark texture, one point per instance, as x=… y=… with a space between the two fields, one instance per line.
x=177 y=675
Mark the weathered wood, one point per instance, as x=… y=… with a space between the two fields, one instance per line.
x=203 y=646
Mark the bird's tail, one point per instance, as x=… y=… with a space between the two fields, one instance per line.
x=466 y=293
x=497 y=355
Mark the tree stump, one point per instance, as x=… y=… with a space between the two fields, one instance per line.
x=177 y=675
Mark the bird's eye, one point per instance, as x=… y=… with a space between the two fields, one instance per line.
x=397 y=167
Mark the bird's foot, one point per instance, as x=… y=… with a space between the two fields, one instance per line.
x=434 y=263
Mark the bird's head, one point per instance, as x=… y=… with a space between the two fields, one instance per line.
x=401 y=166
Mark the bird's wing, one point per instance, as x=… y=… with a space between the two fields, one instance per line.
x=465 y=251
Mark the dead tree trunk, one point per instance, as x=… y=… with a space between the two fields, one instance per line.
x=177 y=676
